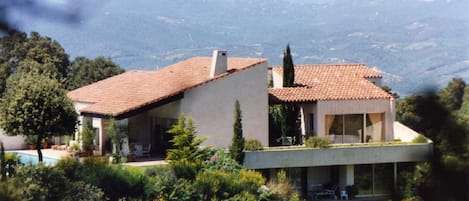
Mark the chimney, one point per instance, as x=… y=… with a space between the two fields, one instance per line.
x=219 y=63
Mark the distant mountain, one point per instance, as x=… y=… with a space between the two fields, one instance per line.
x=413 y=42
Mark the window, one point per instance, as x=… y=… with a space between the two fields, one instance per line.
x=374 y=179
x=345 y=128
x=355 y=128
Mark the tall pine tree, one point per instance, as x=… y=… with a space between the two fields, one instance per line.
x=237 y=146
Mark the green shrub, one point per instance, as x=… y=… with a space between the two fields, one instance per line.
x=281 y=188
x=221 y=161
x=221 y=185
x=420 y=139
x=115 y=180
x=215 y=185
x=8 y=192
x=70 y=167
x=252 y=145
x=81 y=191
x=87 y=137
x=119 y=181
x=167 y=187
x=250 y=181
x=184 y=168
x=40 y=182
x=317 y=142
x=43 y=183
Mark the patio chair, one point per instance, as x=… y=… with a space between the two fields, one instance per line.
x=330 y=193
x=146 y=150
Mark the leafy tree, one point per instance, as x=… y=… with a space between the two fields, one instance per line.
x=452 y=95
x=186 y=157
x=84 y=71
x=237 y=146
x=390 y=92
x=35 y=105
x=18 y=52
x=446 y=176
x=36 y=52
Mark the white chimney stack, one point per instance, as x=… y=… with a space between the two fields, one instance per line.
x=219 y=63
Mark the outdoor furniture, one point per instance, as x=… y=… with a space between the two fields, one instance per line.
x=285 y=141
x=343 y=195
x=146 y=150
x=330 y=193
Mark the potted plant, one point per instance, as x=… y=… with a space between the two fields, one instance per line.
x=74 y=148
x=31 y=141
x=45 y=143
x=87 y=137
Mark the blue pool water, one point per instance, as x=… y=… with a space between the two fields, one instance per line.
x=32 y=159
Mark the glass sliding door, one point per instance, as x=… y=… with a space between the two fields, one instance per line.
x=353 y=128
x=374 y=179
x=347 y=128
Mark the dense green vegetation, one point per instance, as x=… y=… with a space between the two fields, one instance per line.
x=35 y=73
x=194 y=173
x=20 y=52
x=35 y=105
x=442 y=117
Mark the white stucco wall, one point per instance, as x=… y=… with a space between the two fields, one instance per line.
x=211 y=105
x=277 y=79
x=78 y=106
x=12 y=142
x=354 y=107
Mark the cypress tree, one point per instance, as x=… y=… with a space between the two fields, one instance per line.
x=237 y=144
x=288 y=69
x=290 y=111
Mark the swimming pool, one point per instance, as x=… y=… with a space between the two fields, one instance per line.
x=32 y=159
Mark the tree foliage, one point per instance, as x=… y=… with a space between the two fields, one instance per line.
x=36 y=106
x=18 y=52
x=288 y=68
x=446 y=176
x=452 y=95
x=186 y=157
x=237 y=143
x=44 y=183
x=84 y=71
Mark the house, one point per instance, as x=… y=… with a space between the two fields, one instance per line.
x=343 y=103
x=203 y=88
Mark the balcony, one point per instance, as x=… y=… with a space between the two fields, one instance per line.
x=366 y=153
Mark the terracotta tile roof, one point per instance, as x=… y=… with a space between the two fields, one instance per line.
x=329 y=82
x=135 y=89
